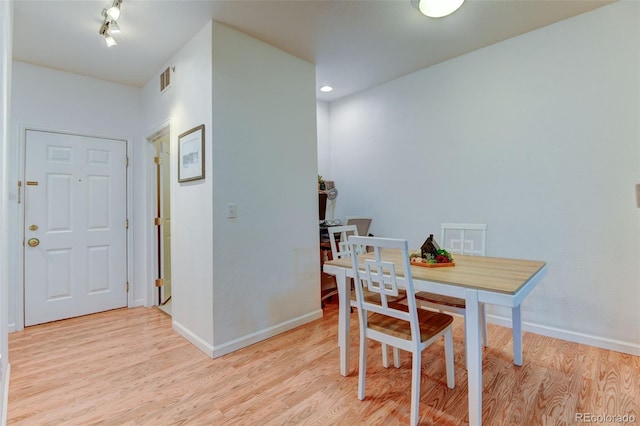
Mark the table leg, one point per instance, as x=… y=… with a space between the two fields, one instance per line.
x=474 y=357
x=344 y=328
x=516 y=324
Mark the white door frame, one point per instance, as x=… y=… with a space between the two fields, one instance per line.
x=23 y=128
x=152 y=259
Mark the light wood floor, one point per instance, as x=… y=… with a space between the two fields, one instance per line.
x=127 y=367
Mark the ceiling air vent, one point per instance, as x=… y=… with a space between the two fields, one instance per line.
x=165 y=79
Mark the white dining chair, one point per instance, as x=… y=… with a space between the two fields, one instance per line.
x=402 y=326
x=464 y=238
x=338 y=236
x=339 y=240
x=459 y=238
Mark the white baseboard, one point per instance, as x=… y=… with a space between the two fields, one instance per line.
x=241 y=342
x=193 y=338
x=571 y=336
x=11 y=327
x=258 y=336
x=137 y=303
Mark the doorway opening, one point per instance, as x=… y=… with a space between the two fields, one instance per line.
x=162 y=217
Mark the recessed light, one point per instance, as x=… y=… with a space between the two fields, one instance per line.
x=326 y=89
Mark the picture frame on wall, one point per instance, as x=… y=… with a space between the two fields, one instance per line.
x=191 y=154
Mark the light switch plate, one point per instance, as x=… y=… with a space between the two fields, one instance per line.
x=232 y=210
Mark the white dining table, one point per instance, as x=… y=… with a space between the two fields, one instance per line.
x=477 y=279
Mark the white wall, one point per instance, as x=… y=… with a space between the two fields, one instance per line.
x=6 y=37
x=52 y=99
x=266 y=261
x=538 y=137
x=187 y=104
x=324 y=140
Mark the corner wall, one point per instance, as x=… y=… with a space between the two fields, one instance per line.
x=239 y=280
x=266 y=260
x=538 y=137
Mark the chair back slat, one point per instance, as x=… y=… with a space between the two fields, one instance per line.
x=464 y=238
x=338 y=238
x=381 y=277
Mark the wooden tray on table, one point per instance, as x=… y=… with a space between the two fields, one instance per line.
x=432 y=265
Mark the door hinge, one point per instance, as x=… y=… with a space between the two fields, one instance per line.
x=126 y=224
x=126 y=162
x=157 y=160
x=157 y=221
x=159 y=282
x=19 y=191
x=127 y=286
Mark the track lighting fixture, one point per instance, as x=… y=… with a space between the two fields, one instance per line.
x=110 y=24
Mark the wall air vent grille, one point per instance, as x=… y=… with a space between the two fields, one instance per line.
x=165 y=79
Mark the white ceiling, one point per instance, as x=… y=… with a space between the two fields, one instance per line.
x=355 y=44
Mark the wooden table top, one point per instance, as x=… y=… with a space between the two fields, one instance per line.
x=483 y=273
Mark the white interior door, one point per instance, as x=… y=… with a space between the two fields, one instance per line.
x=75 y=260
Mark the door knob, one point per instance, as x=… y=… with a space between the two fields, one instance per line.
x=33 y=228
x=33 y=242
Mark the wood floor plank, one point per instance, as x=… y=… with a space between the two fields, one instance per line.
x=128 y=367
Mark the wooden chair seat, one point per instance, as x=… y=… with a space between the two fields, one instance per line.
x=431 y=323
x=455 y=302
x=372 y=297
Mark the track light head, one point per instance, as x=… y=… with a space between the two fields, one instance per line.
x=104 y=32
x=110 y=40
x=114 y=11
x=114 y=28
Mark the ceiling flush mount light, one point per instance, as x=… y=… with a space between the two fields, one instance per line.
x=437 y=8
x=110 y=24
x=326 y=89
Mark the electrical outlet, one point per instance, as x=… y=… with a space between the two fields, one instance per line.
x=232 y=210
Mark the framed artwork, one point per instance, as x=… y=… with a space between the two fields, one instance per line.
x=191 y=154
